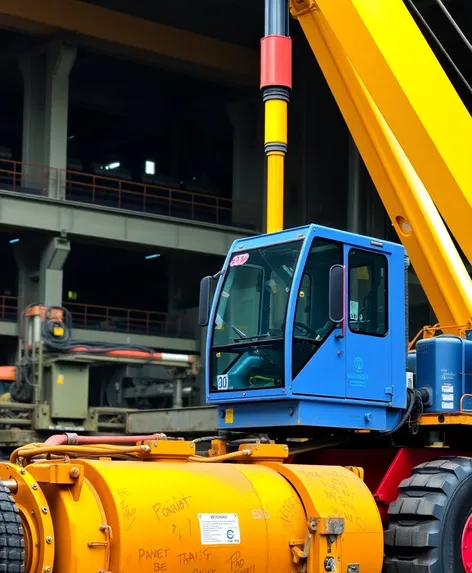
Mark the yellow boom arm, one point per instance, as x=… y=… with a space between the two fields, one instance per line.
x=412 y=131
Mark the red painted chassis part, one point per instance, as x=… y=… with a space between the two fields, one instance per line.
x=383 y=469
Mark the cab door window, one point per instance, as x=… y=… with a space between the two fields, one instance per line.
x=368 y=296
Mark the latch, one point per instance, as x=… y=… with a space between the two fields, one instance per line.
x=300 y=556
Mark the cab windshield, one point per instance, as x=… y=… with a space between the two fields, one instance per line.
x=248 y=332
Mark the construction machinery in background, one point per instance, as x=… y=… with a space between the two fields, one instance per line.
x=60 y=384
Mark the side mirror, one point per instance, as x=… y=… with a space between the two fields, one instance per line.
x=204 y=303
x=336 y=294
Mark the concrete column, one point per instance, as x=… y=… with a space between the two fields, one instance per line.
x=355 y=191
x=378 y=223
x=45 y=113
x=40 y=270
x=365 y=213
x=177 y=398
x=248 y=164
x=172 y=286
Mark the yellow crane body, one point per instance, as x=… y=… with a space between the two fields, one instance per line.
x=163 y=512
x=414 y=95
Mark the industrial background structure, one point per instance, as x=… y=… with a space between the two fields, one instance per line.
x=131 y=157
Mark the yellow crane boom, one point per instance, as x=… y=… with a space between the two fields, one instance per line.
x=413 y=133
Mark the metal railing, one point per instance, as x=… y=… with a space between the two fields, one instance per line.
x=112 y=319
x=116 y=193
x=9 y=308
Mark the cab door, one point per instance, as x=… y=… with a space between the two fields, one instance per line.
x=317 y=361
x=368 y=343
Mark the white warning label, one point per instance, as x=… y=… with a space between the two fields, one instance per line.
x=219 y=528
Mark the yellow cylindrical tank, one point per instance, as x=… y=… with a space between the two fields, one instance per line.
x=183 y=517
x=156 y=516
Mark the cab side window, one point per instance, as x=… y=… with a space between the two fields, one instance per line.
x=368 y=296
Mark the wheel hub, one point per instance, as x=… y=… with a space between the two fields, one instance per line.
x=466 y=545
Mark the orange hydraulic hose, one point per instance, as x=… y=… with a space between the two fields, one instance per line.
x=141 y=354
x=41 y=450
x=222 y=458
x=76 y=440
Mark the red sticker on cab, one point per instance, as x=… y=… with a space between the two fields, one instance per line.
x=239 y=260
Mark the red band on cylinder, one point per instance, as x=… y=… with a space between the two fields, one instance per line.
x=276 y=61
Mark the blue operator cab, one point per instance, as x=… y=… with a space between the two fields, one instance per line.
x=307 y=329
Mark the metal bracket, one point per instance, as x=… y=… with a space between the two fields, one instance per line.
x=334 y=526
x=300 y=555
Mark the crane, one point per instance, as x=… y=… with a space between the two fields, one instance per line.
x=390 y=94
x=337 y=449
x=308 y=331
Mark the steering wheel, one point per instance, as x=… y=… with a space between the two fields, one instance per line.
x=308 y=330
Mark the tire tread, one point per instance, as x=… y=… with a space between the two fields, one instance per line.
x=12 y=543
x=413 y=537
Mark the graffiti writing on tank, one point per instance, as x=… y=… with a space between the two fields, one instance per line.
x=128 y=512
x=193 y=556
x=171 y=507
x=287 y=508
x=237 y=564
x=156 y=557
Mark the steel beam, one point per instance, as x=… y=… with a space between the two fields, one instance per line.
x=24 y=212
x=163 y=343
x=109 y=30
x=201 y=420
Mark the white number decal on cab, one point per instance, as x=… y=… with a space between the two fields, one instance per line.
x=222 y=382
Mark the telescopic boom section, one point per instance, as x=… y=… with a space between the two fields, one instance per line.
x=414 y=95
x=378 y=84
x=276 y=83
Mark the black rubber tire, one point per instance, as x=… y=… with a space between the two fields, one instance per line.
x=427 y=520
x=12 y=542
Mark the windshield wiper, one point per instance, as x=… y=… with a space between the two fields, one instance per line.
x=237 y=331
x=252 y=338
x=245 y=338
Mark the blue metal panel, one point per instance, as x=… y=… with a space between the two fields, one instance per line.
x=411 y=362
x=298 y=413
x=398 y=326
x=270 y=239
x=325 y=373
